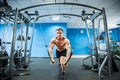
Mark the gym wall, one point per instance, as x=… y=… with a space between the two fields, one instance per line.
x=118 y=34
x=115 y=34
x=45 y=31
x=79 y=40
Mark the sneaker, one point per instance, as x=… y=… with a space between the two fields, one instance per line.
x=59 y=64
x=63 y=75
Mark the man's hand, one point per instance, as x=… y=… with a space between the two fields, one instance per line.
x=52 y=62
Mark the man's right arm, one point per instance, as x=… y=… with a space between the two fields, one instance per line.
x=51 y=45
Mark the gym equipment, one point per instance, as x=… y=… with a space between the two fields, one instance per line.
x=25 y=66
x=84 y=18
x=4 y=73
x=0 y=42
x=14 y=59
x=20 y=37
x=21 y=56
x=18 y=58
x=4 y=62
x=99 y=65
x=13 y=42
x=4 y=55
x=31 y=38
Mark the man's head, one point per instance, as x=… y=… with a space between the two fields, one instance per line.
x=59 y=33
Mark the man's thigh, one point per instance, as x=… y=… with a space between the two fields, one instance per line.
x=62 y=59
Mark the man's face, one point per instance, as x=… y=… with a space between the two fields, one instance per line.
x=59 y=34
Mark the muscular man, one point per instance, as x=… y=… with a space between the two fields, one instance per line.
x=63 y=50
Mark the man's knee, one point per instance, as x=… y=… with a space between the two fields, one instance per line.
x=62 y=63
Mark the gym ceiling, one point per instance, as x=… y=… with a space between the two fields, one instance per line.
x=112 y=8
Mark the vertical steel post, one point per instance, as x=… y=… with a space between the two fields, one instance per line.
x=88 y=34
x=95 y=46
x=13 y=41
x=107 y=43
x=32 y=39
x=26 y=40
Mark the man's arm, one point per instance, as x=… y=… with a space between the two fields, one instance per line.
x=50 y=50
x=69 y=54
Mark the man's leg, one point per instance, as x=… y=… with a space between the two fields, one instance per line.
x=58 y=56
x=59 y=62
x=62 y=62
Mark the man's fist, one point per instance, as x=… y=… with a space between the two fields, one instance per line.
x=53 y=62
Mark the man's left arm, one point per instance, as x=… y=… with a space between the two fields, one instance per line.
x=68 y=47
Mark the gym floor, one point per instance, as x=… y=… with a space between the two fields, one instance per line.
x=41 y=69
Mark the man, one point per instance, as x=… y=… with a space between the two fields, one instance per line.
x=63 y=50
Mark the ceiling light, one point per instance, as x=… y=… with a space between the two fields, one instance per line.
x=88 y=21
x=55 y=18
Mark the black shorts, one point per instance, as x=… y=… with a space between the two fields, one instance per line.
x=61 y=53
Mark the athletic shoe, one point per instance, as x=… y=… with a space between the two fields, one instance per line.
x=63 y=75
x=59 y=64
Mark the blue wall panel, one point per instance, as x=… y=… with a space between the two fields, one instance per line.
x=79 y=40
x=118 y=34
x=115 y=34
